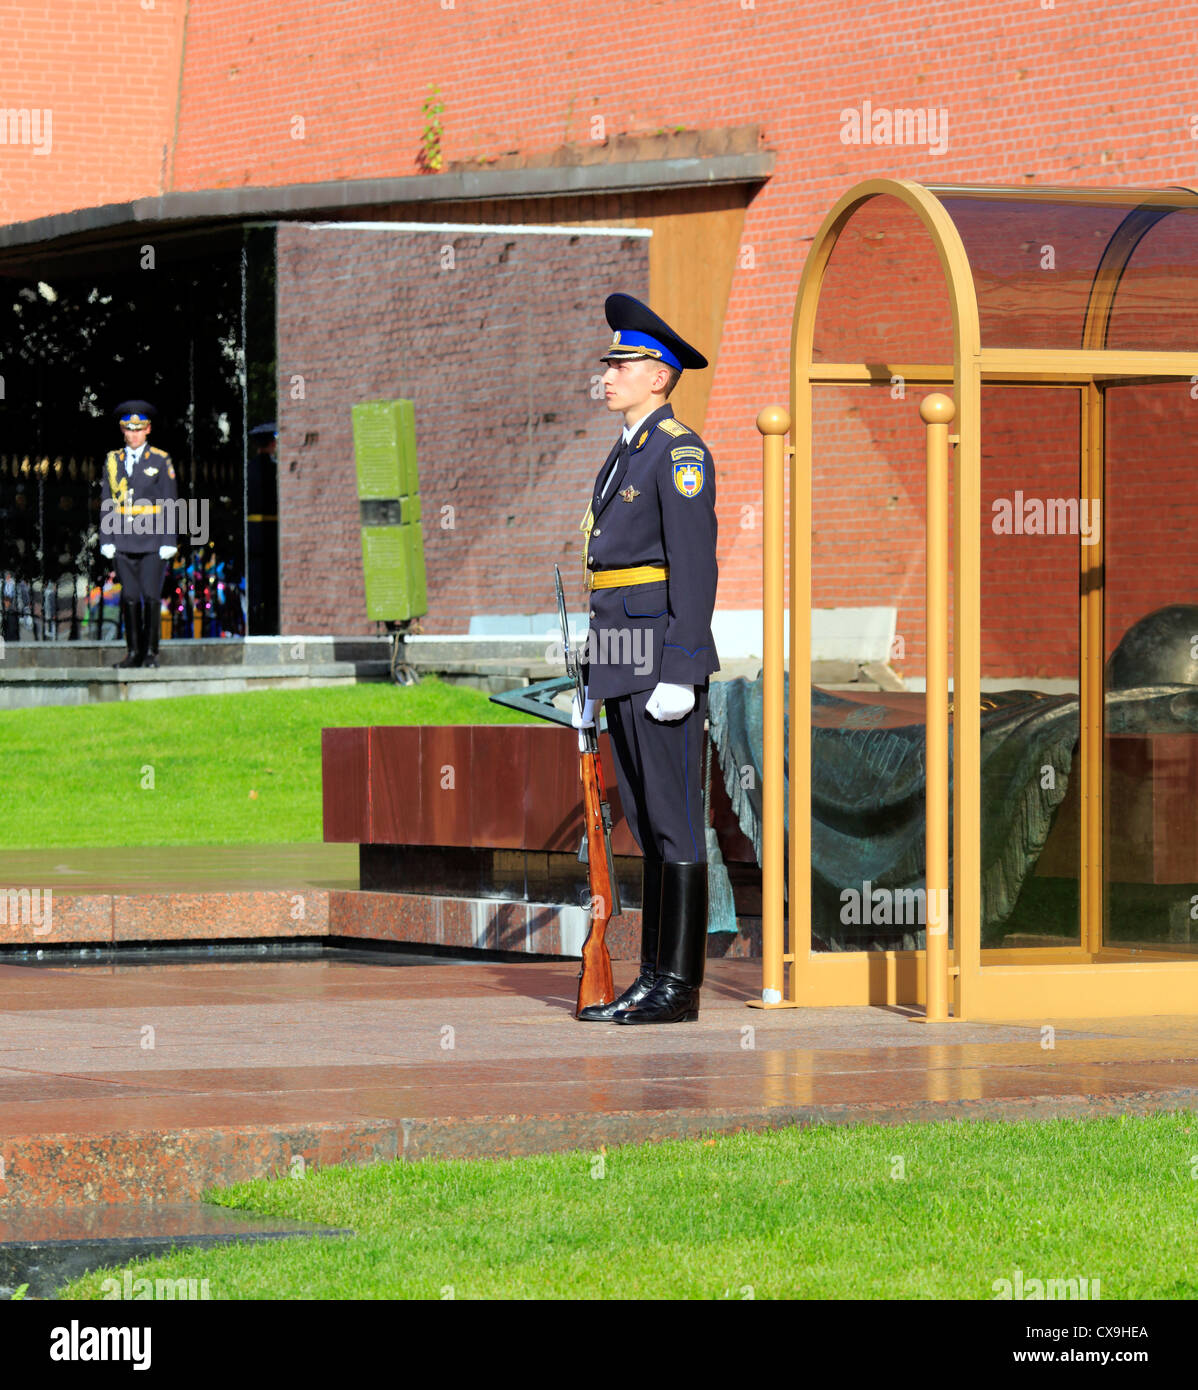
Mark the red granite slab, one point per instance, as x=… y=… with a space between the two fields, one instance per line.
x=166 y=1112
x=735 y=845
x=484 y=923
x=345 y=790
x=454 y=1068
x=500 y=768
x=256 y=1065
x=492 y=924
x=67 y=1169
x=502 y=787
x=54 y=918
x=621 y=837
x=396 y=809
x=45 y=1086
x=45 y=991
x=516 y=1136
x=219 y=916
x=624 y=939
x=1152 y=831
x=552 y=797
x=445 y=787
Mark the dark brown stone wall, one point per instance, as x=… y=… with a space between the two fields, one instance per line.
x=495 y=336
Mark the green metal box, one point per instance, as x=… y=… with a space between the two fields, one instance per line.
x=389 y=508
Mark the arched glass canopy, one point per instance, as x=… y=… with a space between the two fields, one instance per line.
x=1063 y=323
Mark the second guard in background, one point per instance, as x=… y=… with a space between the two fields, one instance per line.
x=651 y=572
x=138 y=528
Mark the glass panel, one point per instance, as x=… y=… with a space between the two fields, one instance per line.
x=884 y=297
x=1156 y=305
x=1034 y=261
x=1029 y=666
x=1033 y=265
x=868 y=596
x=1151 y=636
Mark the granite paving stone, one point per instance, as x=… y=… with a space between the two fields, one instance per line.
x=255 y=1062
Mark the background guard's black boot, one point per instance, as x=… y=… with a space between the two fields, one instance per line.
x=681 y=951
x=134 y=651
x=152 y=625
x=650 y=918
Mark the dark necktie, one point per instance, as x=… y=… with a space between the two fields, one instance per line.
x=618 y=467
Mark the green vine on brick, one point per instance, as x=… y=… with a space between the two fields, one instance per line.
x=430 y=138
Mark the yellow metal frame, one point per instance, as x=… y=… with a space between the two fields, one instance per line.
x=1036 y=982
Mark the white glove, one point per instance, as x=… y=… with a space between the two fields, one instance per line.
x=669 y=702
x=108 y=551
x=166 y=551
x=584 y=719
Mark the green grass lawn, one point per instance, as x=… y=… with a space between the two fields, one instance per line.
x=75 y=775
x=871 y=1211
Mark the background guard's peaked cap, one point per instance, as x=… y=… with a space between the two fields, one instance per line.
x=134 y=412
x=639 y=332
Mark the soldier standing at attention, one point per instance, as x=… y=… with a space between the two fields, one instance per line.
x=137 y=528
x=651 y=571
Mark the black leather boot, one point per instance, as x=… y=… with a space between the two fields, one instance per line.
x=134 y=651
x=681 y=951
x=152 y=627
x=650 y=921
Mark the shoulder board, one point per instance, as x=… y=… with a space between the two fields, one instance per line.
x=674 y=427
x=114 y=453
x=161 y=453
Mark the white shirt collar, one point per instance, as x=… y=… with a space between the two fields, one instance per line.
x=630 y=430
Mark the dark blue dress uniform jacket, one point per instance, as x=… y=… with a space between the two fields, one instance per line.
x=128 y=521
x=659 y=510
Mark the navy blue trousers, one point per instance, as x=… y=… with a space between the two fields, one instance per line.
x=659 y=771
x=141 y=574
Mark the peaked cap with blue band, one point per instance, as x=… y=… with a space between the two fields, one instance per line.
x=640 y=333
x=136 y=414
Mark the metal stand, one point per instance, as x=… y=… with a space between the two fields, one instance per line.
x=402 y=672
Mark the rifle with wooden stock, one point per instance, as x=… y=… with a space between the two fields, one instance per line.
x=594 y=979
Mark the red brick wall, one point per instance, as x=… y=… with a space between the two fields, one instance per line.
x=1096 y=94
x=498 y=353
x=109 y=73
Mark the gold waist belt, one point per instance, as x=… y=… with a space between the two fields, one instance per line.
x=138 y=508
x=619 y=579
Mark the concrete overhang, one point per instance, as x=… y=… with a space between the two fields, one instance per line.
x=307 y=199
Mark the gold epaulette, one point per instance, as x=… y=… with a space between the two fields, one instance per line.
x=674 y=427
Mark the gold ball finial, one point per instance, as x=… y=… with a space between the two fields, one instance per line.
x=774 y=419
x=937 y=409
